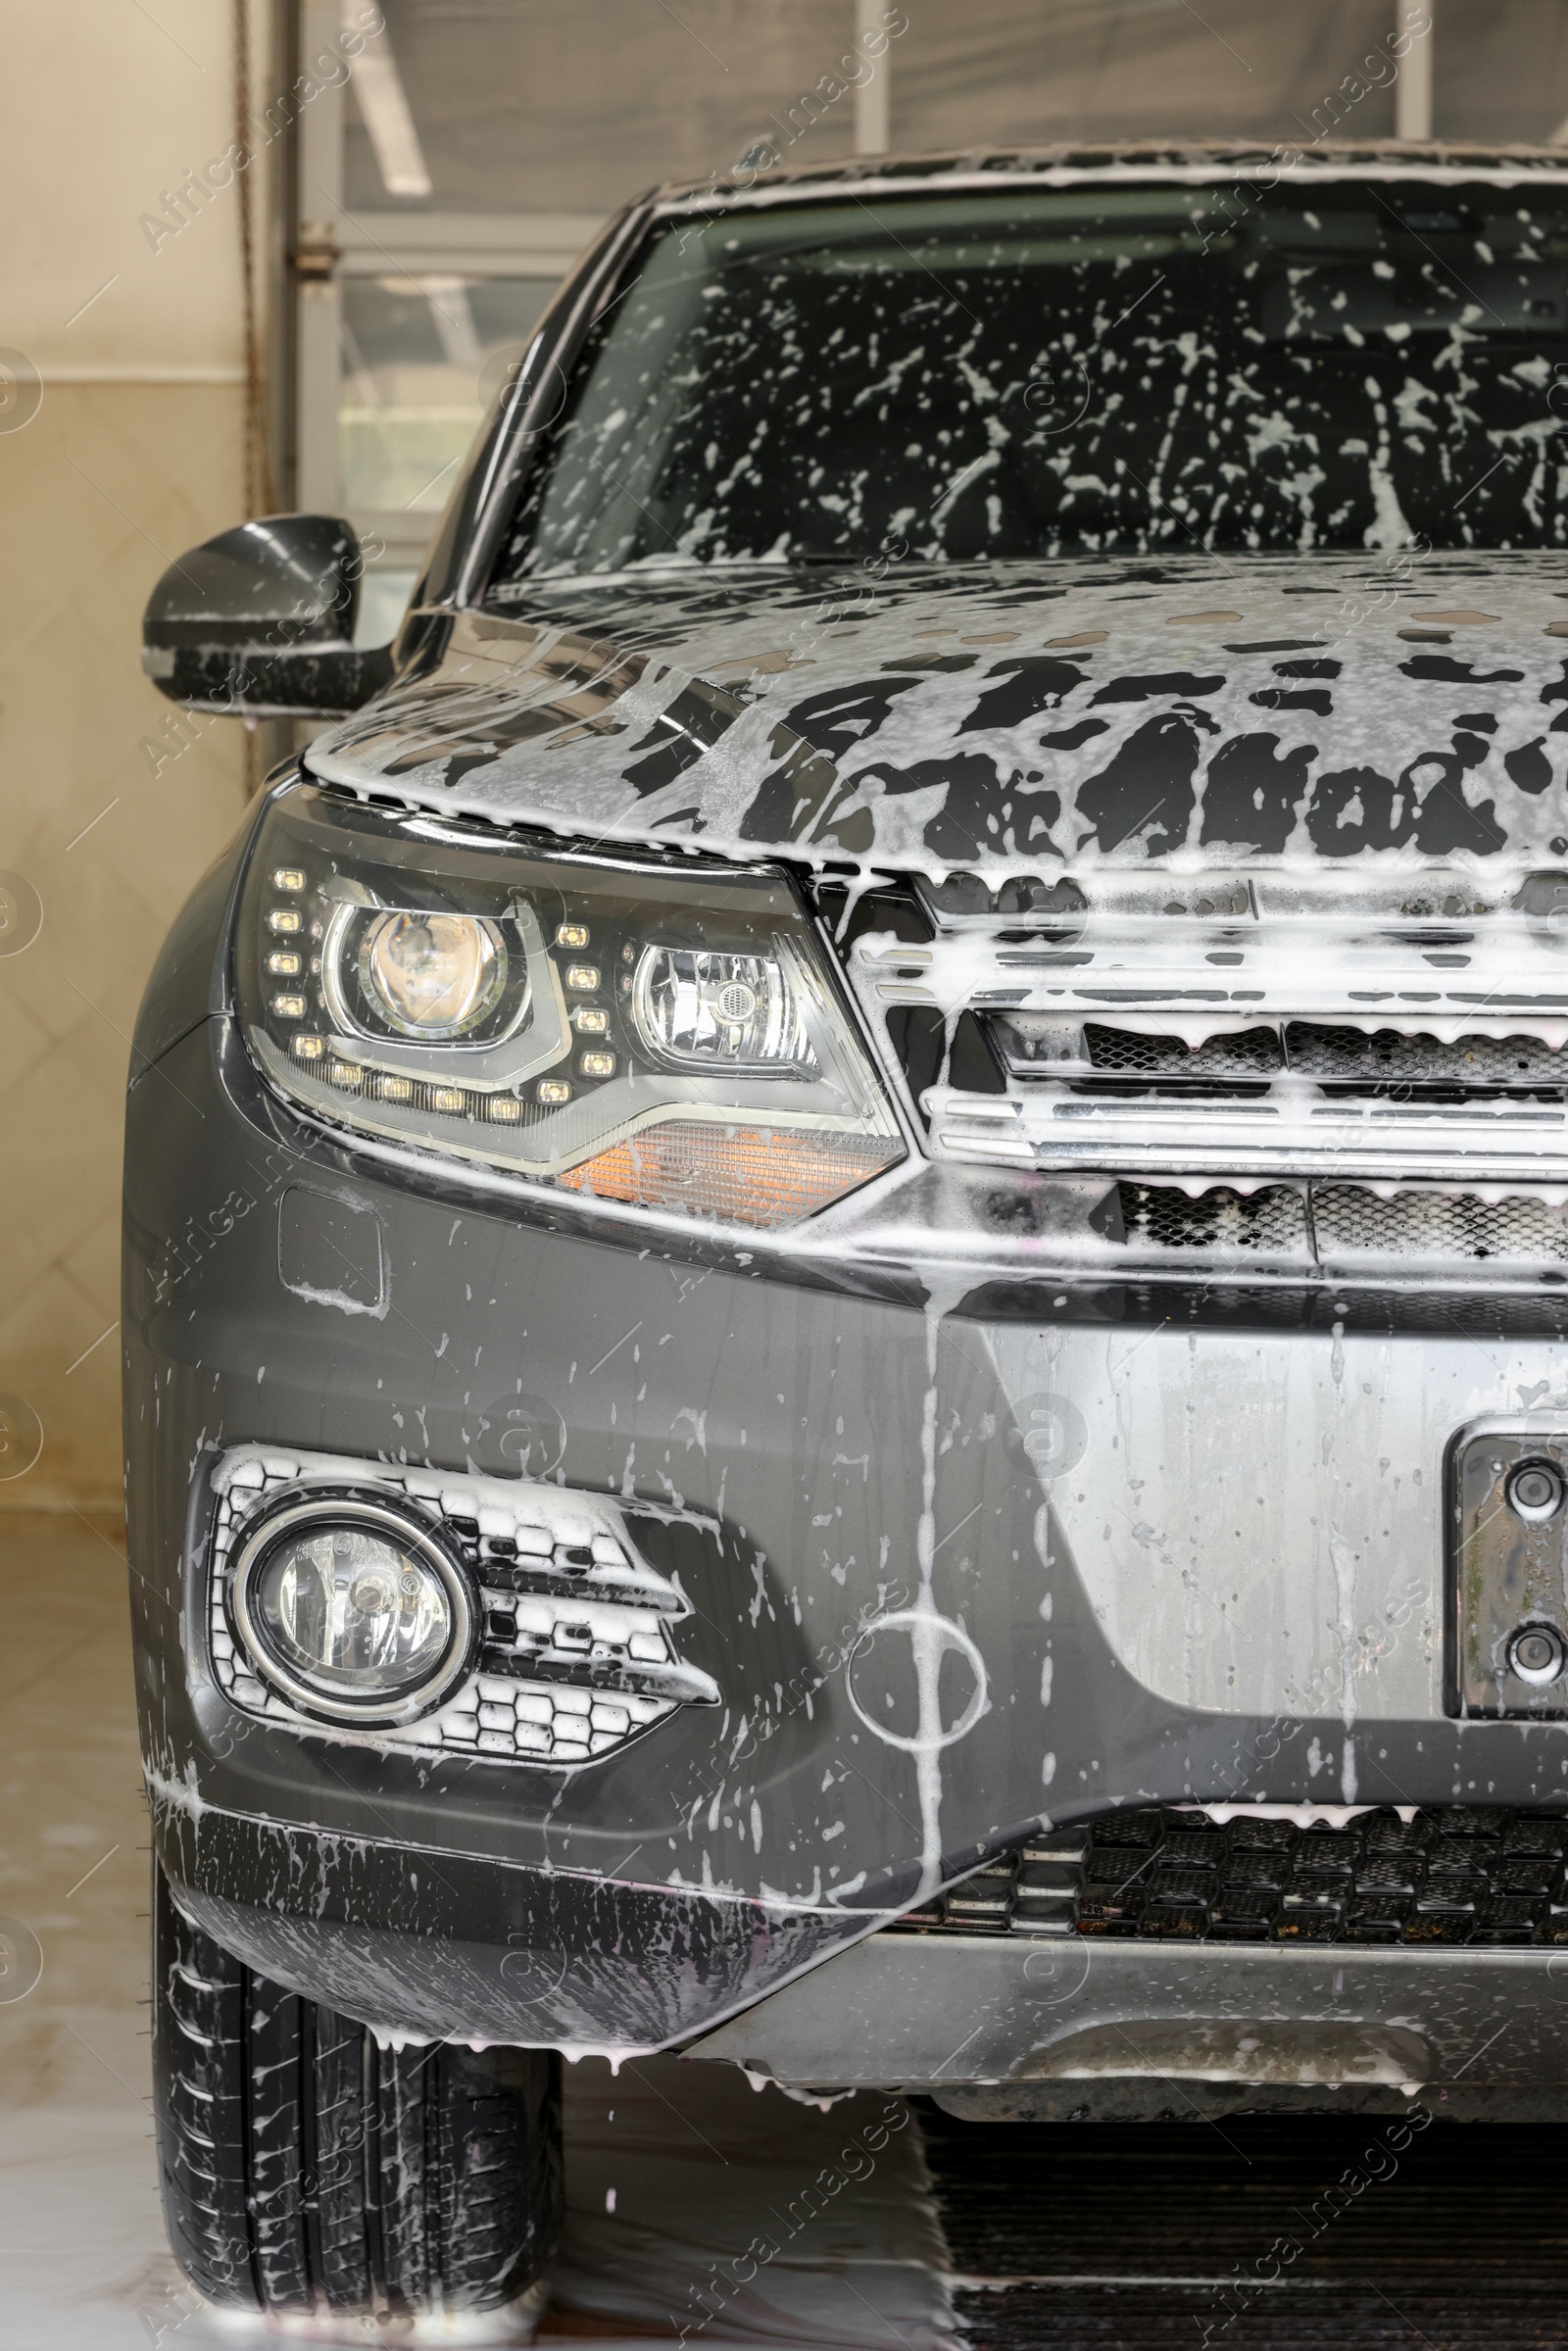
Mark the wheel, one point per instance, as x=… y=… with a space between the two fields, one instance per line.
x=304 y=2168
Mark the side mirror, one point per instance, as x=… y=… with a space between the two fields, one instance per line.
x=259 y=624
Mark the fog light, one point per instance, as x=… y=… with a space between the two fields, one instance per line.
x=353 y=1611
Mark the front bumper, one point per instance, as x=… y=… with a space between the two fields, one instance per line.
x=1056 y=2027
x=439 y=1945
x=998 y=1546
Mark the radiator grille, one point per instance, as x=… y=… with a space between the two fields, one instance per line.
x=1286 y=1033
x=1157 y=1216
x=1450 y=1875
x=1349 y=1221
x=1253 y=1053
x=1340 y=1055
x=1342 y=1222
x=1318 y=1048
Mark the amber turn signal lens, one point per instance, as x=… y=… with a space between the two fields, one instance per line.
x=748 y=1175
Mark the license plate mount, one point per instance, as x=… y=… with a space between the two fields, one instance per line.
x=1508 y=1571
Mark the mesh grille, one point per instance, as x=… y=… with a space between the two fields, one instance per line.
x=1450 y=1875
x=1350 y=1221
x=1319 y=1049
x=1157 y=1216
x=1254 y=1053
x=1341 y=1057
x=1345 y=1221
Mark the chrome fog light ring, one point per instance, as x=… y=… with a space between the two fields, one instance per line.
x=448 y=1650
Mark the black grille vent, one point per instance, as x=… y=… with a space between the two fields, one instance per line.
x=1349 y=1222
x=1157 y=1216
x=1339 y=1223
x=1253 y=1053
x=1387 y=1059
x=1346 y=1060
x=1453 y=1875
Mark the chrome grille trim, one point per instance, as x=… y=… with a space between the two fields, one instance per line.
x=1482 y=1142
x=1316 y=1028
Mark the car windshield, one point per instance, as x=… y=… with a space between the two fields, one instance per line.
x=1103 y=369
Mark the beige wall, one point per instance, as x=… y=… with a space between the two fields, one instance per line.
x=133 y=454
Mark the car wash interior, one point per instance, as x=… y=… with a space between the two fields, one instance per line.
x=875 y=693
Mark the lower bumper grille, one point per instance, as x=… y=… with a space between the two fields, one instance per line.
x=1450 y=1875
x=1272 y=1219
x=1346 y=1224
x=1347 y=1221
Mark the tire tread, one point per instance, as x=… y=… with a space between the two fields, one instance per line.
x=304 y=2165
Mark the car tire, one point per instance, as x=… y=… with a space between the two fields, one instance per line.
x=306 y=2167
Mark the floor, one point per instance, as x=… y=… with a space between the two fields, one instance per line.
x=1257 y=2234
x=673 y=2170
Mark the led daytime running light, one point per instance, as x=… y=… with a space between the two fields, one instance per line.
x=631 y=1029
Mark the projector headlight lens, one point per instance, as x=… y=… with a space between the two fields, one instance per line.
x=432 y=975
x=667 y=1034
x=350 y=1611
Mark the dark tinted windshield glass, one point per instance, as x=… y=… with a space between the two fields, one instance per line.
x=1072 y=371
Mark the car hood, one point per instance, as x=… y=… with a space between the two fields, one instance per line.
x=1406 y=710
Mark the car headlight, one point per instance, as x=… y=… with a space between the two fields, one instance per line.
x=427 y=975
x=352 y=1612
x=627 y=1028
